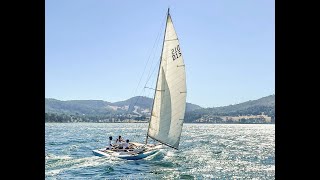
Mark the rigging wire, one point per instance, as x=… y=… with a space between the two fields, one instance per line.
x=152 y=82
x=154 y=45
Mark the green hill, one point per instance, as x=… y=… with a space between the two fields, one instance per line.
x=264 y=105
x=99 y=107
x=76 y=106
x=139 y=107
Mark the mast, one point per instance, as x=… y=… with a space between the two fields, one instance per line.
x=164 y=36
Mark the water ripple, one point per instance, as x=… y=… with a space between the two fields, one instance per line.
x=207 y=151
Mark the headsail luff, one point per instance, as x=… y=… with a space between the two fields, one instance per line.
x=169 y=103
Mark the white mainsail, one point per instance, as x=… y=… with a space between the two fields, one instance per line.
x=169 y=104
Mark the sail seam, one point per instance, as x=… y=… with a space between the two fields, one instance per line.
x=171 y=39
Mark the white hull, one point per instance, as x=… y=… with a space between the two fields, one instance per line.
x=129 y=154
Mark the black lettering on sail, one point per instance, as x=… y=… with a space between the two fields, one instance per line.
x=173 y=55
x=178 y=48
x=176 y=53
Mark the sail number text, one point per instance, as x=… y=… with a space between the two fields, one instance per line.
x=176 y=53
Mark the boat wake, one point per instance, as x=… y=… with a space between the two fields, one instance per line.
x=57 y=164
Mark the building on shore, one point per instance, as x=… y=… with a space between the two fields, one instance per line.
x=235 y=119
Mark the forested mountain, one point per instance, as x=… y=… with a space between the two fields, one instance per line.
x=138 y=105
x=138 y=108
x=264 y=105
x=76 y=106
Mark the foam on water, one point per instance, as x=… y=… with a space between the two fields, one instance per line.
x=206 y=151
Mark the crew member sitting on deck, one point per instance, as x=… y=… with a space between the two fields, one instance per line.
x=126 y=144
x=119 y=142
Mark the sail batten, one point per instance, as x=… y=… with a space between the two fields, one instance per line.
x=169 y=104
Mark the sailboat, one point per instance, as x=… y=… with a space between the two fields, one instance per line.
x=169 y=104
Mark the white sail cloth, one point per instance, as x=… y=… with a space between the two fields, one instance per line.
x=168 y=110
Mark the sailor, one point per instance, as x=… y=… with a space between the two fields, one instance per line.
x=109 y=146
x=126 y=144
x=119 y=142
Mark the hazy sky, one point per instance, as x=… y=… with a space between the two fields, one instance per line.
x=98 y=49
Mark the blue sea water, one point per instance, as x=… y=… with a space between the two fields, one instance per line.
x=207 y=151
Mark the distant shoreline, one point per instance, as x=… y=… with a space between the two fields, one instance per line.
x=260 y=111
x=141 y=122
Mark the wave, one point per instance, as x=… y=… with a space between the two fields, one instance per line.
x=56 y=164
